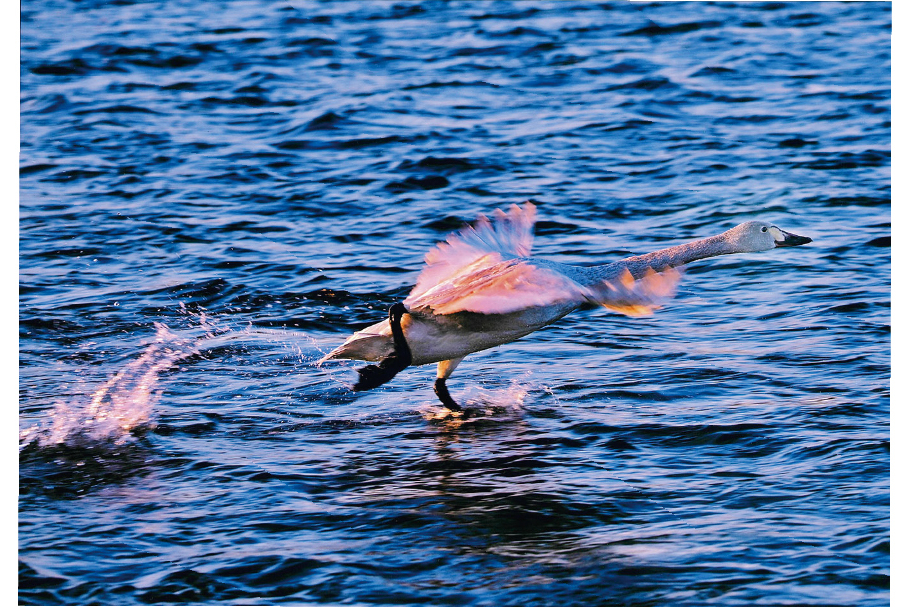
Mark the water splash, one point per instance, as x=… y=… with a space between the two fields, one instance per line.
x=509 y=397
x=120 y=406
x=482 y=402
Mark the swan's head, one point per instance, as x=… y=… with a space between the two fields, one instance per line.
x=753 y=236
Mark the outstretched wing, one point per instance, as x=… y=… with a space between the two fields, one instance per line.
x=507 y=286
x=519 y=284
x=482 y=245
x=483 y=268
x=637 y=297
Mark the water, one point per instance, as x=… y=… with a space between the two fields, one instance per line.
x=214 y=195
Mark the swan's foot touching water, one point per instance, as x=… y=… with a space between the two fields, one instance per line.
x=373 y=376
x=442 y=392
x=446 y=368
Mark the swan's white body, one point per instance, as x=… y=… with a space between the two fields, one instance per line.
x=480 y=288
x=435 y=338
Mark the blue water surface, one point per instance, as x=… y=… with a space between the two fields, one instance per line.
x=215 y=194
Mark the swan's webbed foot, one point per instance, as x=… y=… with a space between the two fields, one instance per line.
x=373 y=376
x=442 y=392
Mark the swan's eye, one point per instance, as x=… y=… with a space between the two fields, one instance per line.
x=764 y=229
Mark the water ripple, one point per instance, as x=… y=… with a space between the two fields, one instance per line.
x=210 y=201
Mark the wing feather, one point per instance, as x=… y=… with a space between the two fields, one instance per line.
x=484 y=269
x=507 y=286
x=637 y=297
x=484 y=244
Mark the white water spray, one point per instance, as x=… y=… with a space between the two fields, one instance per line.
x=122 y=404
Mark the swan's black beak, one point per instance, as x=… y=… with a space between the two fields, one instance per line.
x=791 y=240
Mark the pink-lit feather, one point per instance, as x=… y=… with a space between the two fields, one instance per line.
x=483 y=269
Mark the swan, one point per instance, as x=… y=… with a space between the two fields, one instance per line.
x=480 y=288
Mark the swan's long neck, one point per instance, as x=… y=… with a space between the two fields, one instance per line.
x=668 y=258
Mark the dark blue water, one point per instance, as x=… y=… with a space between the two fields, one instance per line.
x=215 y=194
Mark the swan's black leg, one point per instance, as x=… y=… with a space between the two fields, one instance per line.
x=373 y=376
x=442 y=392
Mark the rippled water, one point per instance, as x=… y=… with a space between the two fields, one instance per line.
x=215 y=194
